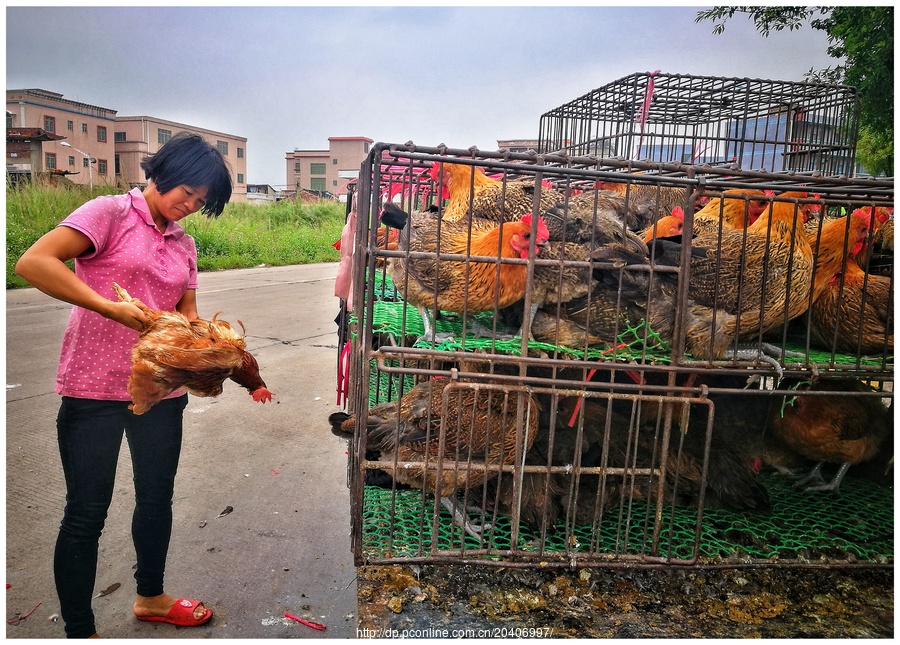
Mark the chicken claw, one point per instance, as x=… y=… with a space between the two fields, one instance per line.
x=460 y=519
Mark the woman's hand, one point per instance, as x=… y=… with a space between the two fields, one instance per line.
x=126 y=313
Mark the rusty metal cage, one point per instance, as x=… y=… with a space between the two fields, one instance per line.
x=606 y=436
x=747 y=123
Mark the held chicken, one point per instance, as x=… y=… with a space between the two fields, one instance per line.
x=198 y=355
x=463 y=286
x=843 y=429
x=438 y=430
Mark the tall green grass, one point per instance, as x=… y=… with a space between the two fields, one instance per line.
x=245 y=235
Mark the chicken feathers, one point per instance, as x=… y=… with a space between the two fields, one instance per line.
x=173 y=352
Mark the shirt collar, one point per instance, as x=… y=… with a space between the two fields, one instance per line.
x=139 y=203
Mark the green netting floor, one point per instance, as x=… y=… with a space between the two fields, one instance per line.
x=858 y=525
x=390 y=315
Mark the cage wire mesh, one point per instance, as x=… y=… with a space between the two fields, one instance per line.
x=648 y=448
x=753 y=124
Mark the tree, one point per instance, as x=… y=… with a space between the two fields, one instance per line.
x=863 y=37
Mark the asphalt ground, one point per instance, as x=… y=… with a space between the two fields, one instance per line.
x=285 y=547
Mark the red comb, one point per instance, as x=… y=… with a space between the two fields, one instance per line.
x=678 y=212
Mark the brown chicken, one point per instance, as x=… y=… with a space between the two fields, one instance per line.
x=647 y=202
x=667 y=226
x=855 y=313
x=743 y=285
x=732 y=480
x=851 y=311
x=736 y=209
x=173 y=352
x=839 y=238
x=878 y=257
x=460 y=286
x=839 y=429
x=461 y=183
x=428 y=447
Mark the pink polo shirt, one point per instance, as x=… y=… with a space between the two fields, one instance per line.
x=157 y=268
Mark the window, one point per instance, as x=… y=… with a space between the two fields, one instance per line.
x=119 y=137
x=101 y=166
x=118 y=167
x=70 y=125
x=50 y=124
x=316 y=169
x=84 y=128
x=50 y=161
x=240 y=178
x=71 y=161
x=366 y=148
x=101 y=133
x=334 y=182
x=297 y=166
x=9 y=120
x=334 y=162
x=85 y=162
x=222 y=147
x=163 y=135
x=240 y=153
x=317 y=183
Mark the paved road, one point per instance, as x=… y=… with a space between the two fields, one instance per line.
x=286 y=545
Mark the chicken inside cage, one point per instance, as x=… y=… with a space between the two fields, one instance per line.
x=659 y=364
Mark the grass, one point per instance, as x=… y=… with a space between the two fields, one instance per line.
x=245 y=235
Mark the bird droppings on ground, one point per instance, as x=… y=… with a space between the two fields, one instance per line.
x=596 y=603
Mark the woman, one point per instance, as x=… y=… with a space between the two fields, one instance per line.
x=135 y=241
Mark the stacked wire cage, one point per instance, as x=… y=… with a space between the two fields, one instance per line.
x=612 y=415
x=754 y=124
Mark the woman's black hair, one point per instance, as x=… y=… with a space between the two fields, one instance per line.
x=186 y=159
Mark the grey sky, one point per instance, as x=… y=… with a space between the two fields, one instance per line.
x=290 y=77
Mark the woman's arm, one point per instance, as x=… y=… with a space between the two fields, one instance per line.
x=188 y=304
x=43 y=266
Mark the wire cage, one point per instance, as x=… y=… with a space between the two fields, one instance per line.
x=752 y=124
x=626 y=409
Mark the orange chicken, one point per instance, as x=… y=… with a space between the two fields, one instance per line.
x=459 y=285
x=173 y=352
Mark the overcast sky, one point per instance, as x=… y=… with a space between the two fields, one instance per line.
x=290 y=77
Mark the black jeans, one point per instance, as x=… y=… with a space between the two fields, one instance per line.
x=90 y=434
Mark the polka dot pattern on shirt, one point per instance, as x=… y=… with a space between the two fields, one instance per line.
x=128 y=248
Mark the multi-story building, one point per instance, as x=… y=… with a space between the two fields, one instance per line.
x=99 y=147
x=86 y=151
x=326 y=171
x=137 y=136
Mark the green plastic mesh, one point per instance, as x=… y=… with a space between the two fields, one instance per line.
x=385 y=387
x=392 y=316
x=858 y=525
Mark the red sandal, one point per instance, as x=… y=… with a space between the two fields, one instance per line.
x=181 y=614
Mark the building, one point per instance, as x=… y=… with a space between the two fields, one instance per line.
x=518 y=145
x=139 y=136
x=261 y=194
x=85 y=129
x=93 y=145
x=24 y=152
x=326 y=171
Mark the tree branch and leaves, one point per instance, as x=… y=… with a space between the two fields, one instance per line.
x=862 y=38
